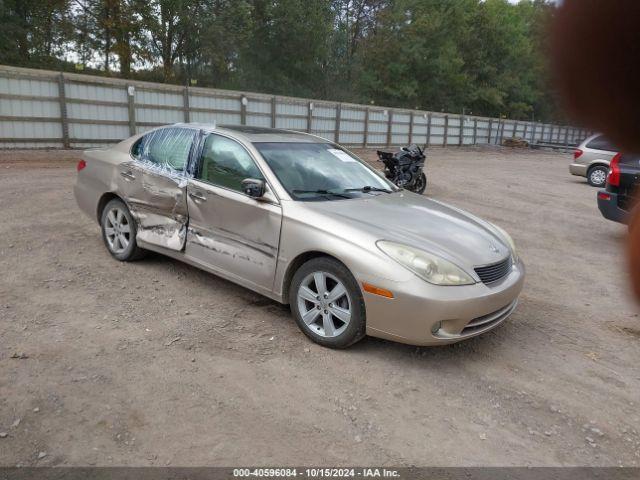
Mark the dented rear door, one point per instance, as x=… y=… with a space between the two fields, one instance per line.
x=155 y=186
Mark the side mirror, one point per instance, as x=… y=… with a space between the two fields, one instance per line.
x=253 y=187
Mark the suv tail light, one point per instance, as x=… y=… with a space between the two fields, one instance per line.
x=81 y=165
x=613 y=178
x=576 y=153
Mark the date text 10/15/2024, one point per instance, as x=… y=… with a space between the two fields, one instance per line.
x=315 y=473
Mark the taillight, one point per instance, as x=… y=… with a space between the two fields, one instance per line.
x=604 y=196
x=576 y=153
x=81 y=165
x=613 y=178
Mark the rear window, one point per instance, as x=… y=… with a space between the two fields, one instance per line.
x=602 y=143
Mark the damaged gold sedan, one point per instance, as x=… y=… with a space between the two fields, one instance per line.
x=303 y=221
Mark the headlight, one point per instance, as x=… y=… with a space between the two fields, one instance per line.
x=509 y=240
x=427 y=266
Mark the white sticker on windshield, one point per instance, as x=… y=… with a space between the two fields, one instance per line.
x=340 y=154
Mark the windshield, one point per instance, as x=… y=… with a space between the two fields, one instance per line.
x=321 y=171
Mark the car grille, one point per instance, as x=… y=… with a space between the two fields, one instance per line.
x=493 y=273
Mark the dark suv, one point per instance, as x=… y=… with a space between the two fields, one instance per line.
x=619 y=196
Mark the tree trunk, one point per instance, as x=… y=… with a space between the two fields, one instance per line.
x=124 y=54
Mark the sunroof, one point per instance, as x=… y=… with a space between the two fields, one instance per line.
x=254 y=130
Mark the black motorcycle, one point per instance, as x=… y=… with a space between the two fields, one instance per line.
x=405 y=168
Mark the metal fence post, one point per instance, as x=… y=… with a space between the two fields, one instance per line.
x=185 y=103
x=131 y=92
x=515 y=129
x=336 y=133
x=566 y=139
x=63 y=111
x=502 y=132
x=489 y=131
x=410 y=128
x=243 y=109
x=365 y=137
x=445 y=137
x=273 y=112
x=475 y=131
x=309 y=116
x=533 y=133
x=389 y=126
x=460 y=130
x=428 y=130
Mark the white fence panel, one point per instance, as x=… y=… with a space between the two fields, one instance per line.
x=48 y=109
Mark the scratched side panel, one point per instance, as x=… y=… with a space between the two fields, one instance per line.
x=234 y=234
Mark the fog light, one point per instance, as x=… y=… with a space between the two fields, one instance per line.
x=436 y=326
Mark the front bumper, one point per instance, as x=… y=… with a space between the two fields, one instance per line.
x=608 y=206
x=424 y=314
x=578 y=169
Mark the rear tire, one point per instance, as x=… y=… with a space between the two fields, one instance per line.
x=327 y=304
x=597 y=176
x=119 y=232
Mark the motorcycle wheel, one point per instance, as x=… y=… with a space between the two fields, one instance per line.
x=421 y=184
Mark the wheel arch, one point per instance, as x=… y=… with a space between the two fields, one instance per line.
x=597 y=163
x=104 y=199
x=296 y=263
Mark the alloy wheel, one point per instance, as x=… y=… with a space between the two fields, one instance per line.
x=117 y=230
x=324 y=304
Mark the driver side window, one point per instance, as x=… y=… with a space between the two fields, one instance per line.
x=226 y=163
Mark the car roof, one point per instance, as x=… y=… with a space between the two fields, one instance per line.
x=258 y=134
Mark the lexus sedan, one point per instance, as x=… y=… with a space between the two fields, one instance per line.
x=303 y=221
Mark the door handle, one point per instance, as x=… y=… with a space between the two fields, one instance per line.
x=197 y=196
x=128 y=175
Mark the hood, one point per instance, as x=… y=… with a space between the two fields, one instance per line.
x=426 y=224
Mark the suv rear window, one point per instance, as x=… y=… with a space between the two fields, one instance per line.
x=602 y=143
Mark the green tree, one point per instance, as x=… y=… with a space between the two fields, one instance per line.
x=213 y=53
x=414 y=57
x=32 y=32
x=482 y=56
x=166 y=25
x=288 y=49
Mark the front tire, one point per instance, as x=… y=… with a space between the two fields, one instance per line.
x=119 y=232
x=597 y=176
x=327 y=303
x=421 y=184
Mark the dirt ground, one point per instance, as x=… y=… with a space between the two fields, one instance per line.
x=158 y=363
